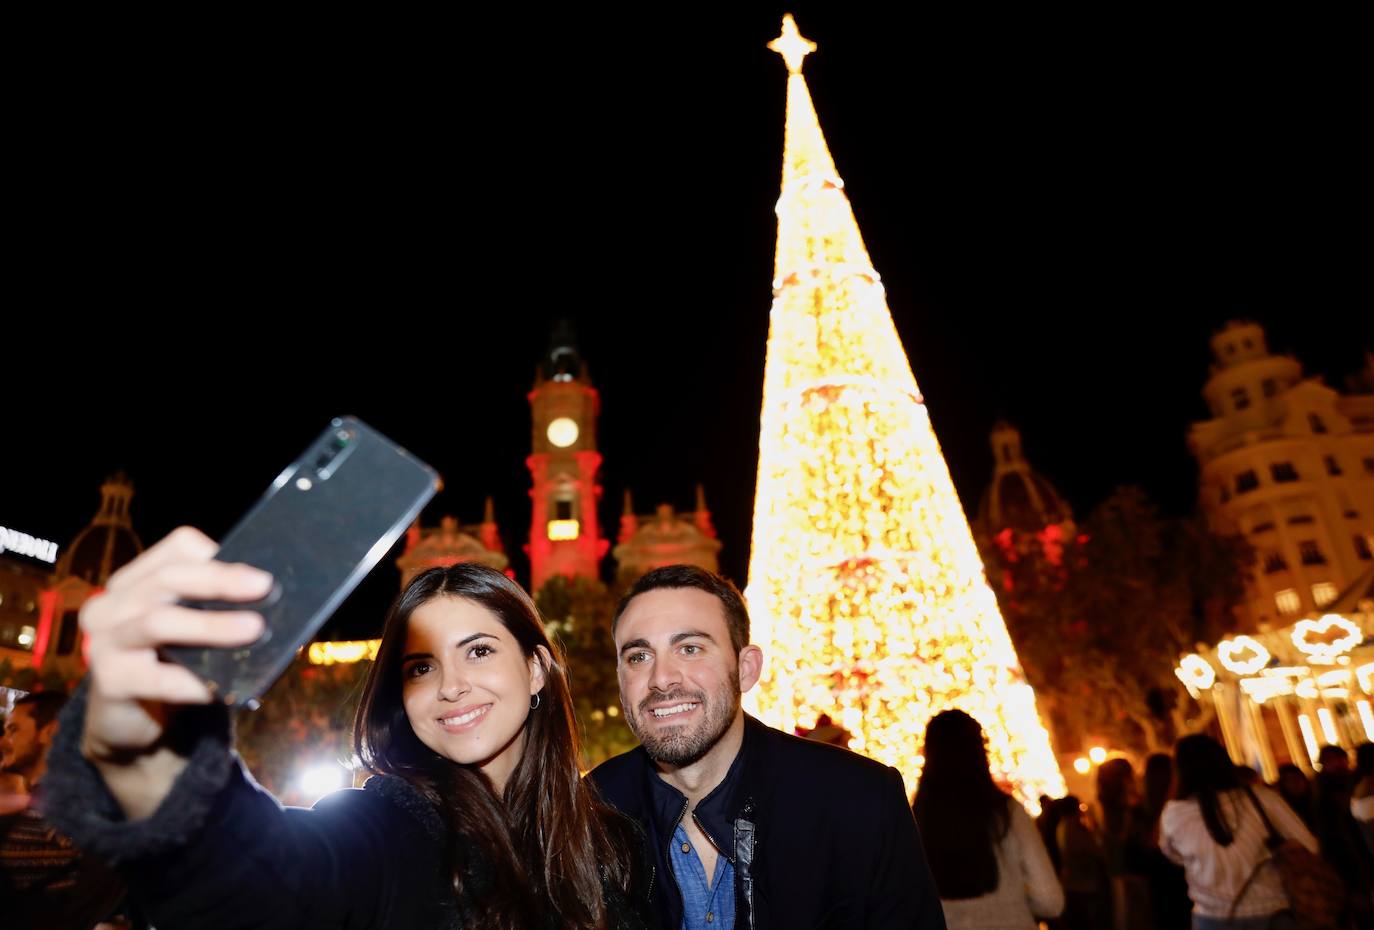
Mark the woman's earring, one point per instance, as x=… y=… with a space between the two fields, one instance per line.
x=534 y=700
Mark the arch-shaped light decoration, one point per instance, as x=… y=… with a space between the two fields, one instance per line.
x=1327 y=637
x=1196 y=673
x=1243 y=655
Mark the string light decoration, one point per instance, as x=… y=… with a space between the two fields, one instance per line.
x=1263 y=689
x=342 y=652
x=1326 y=638
x=1243 y=655
x=1366 y=718
x=865 y=587
x=1195 y=673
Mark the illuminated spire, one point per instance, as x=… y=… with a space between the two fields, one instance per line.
x=867 y=592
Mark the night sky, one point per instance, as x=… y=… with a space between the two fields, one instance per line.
x=228 y=244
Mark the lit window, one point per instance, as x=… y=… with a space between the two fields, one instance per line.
x=562 y=530
x=1287 y=601
x=1323 y=593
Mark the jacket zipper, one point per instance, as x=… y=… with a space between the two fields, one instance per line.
x=746 y=869
x=682 y=908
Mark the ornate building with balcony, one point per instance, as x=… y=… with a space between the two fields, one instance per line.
x=1288 y=463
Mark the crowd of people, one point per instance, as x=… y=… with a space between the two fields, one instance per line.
x=1189 y=842
x=128 y=808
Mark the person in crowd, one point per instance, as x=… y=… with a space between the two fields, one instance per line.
x=1342 y=840
x=1214 y=829
x=990 y=865
x=1167 y=883
x=1082 y=870
x=45 y=881
x=1294 y=787
x=1362 y=798
x=1126 y=842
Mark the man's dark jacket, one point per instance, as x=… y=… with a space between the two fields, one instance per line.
x=819 y=837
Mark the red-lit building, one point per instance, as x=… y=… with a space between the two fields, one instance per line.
x=1020 y=511
x=565 y=536
x=665 y=537
x=565 y=532
x=38 y=608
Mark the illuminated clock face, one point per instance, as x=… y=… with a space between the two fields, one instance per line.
x=563 y=432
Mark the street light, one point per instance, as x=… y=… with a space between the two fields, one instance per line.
x=318 y=780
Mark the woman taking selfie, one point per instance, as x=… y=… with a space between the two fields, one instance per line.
x=476 y=815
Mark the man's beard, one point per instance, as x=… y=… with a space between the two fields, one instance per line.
x=18 y=763
x=684 y=745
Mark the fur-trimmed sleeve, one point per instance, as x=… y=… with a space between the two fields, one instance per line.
x=76 y=801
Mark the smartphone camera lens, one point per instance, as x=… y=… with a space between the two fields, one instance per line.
x=337 y=443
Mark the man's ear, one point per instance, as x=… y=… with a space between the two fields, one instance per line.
x=750 y=667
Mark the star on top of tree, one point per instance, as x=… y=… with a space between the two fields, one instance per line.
x=791 y=45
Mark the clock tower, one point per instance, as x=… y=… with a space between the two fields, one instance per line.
x=565 y=534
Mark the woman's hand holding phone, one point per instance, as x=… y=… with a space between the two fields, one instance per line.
x=133 y=693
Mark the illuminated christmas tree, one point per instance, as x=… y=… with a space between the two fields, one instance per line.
x=867 y=593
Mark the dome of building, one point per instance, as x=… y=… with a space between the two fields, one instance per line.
x=108 y=543
x=1018 y=497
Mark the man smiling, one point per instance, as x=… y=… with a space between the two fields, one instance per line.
x=757 y=829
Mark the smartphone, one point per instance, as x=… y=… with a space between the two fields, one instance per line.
x=321 y=527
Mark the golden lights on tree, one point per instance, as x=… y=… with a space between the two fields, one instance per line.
x=865 y=586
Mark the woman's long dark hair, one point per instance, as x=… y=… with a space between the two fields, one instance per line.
x=1204 y=772
x=540 y=848
x=960 y=810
